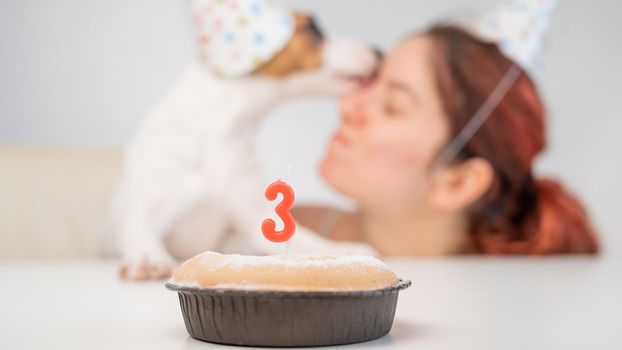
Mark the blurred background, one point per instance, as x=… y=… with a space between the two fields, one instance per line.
x=77 y=76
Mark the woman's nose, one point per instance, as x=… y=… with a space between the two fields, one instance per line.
x=351 y=107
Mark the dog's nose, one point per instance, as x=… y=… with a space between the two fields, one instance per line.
x=378 y=53
x=379 y=56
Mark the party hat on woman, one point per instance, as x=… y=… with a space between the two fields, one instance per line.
x=518 y=27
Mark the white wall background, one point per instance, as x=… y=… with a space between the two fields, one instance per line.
x=81 y=73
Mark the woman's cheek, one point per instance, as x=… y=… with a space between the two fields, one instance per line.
x=395 y=150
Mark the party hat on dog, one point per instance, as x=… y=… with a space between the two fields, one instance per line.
x=238 y=36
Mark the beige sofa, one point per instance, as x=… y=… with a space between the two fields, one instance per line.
x=54 y=204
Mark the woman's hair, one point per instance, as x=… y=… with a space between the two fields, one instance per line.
x=518 y=214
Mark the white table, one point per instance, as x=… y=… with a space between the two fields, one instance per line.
x=460 y=303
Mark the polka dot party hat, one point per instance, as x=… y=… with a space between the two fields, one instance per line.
x=238 y=36
x=518 y=27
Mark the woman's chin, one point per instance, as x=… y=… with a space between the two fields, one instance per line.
x=326 y=170
x=329 y=170
x=333 y=173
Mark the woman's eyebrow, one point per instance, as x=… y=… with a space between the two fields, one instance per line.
x=402 y=86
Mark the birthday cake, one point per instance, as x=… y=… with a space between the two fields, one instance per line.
x=285 y=272
x=286 y=300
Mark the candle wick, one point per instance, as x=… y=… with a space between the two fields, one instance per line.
x=289 y=178
x=289 y=172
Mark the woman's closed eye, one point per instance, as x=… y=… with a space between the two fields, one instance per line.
x=400 y=99
x=397 y=104
x=390 y=109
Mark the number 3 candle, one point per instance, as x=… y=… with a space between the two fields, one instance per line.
x=282 y=210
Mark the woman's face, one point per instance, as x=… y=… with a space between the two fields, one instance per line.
x=390 y=131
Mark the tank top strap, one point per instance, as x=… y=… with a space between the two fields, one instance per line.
x=328 y=222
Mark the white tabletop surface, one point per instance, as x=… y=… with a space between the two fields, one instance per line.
x=460 y=303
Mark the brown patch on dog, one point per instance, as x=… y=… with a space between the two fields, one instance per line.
x=302 y=53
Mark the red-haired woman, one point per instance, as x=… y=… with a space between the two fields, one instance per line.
x=486 y=200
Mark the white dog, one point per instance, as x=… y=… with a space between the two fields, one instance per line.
x=191 y=179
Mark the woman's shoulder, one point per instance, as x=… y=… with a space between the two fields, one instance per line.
x=327 y=221
x=315 y=217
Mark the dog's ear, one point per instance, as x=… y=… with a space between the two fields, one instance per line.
x=307 y=24
x=303 y=52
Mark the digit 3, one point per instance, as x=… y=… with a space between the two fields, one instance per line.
x=282 y=209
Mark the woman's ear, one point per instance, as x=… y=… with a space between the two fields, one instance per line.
x=458 y=186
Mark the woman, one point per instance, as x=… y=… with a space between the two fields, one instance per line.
x=486 y=200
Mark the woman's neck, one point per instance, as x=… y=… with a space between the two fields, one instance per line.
x=415 y=231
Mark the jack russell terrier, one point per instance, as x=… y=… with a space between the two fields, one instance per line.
x=191 y=179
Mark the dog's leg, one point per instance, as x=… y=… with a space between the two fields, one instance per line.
x=202 y=228
x=144 y=255
x=151 y=210
x=161 y=180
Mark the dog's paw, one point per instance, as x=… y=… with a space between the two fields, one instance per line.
x=147 y=267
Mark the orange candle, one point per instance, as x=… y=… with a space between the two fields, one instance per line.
x=268 y=227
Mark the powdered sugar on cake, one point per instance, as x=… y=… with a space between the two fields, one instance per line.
x=284 y=272
x=237 y=261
